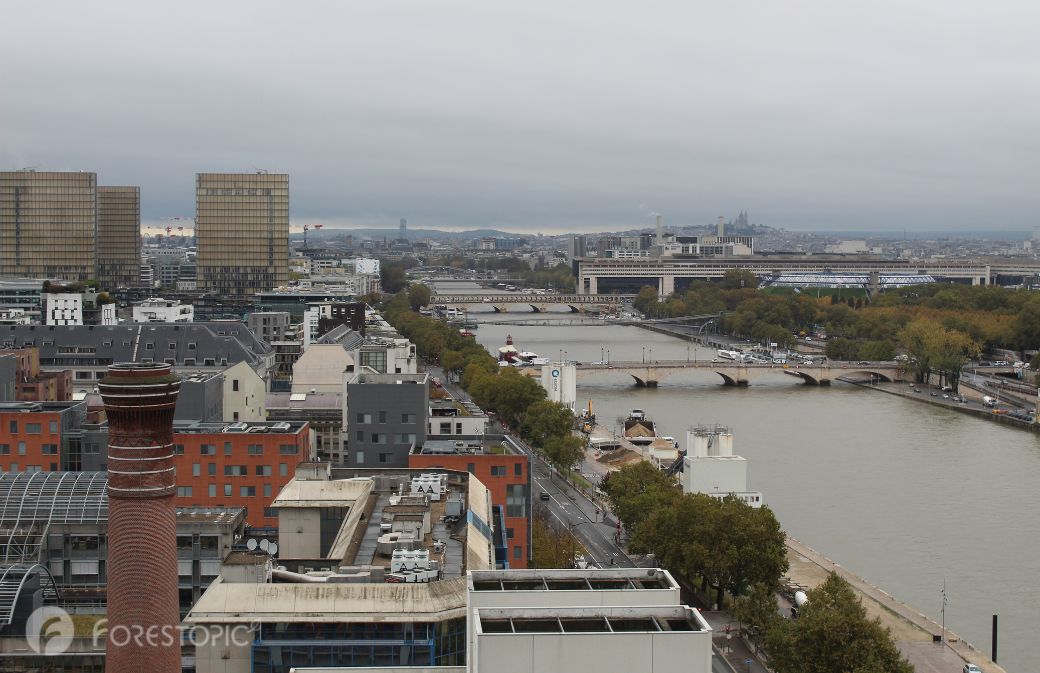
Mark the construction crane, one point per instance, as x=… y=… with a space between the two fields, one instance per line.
x=180 y=228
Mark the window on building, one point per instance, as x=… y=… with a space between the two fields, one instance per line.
x=227 y=448
x=246 y=491
x=408 y=418
x=33 y=428
x=509 y=533
x=516 y=500
x=378 y=438
x=208 y=449
x=184 y=491
x=212 y=490
x=498 y=470
x=235 y=470
x=178 y=449
x=471 y=467
x=458 y=428
x=53 y=427
x=5 y=449
x=49 y=449
x=405 y=438
x=21 y=448
x=149 y=346
x=227 y=490
x=283 y=469
x=256 y=449
x=518 y=552
x=13 y=427
x=364 y=419
x=288 y=449
x=382 y=417
x=359 y=435
x=518 y=469
x=196 y=469
x=267 y=490
x=234 y=385
x=211 y=469
x=359 y=457
x=445 y=428
x=263 y=470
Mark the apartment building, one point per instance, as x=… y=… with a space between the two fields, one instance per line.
x=238 y=465
x=242 y=229
x=41 y=436
x=385 y=418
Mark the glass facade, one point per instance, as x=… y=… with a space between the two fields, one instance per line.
x=119 y=237
x=48 y=224
x=242 y=230
x=281 y=646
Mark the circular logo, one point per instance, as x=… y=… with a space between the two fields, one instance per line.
x=555 y=373
x=49 y=630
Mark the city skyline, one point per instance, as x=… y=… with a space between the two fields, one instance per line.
x=458 y=117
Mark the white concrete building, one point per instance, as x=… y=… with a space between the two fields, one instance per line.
x=157 y=309
x=710 y=466
x=364 y=265
x=63 y=308
x=245 y=394
x=14 y=316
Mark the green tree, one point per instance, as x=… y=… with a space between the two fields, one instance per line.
x=547 y=419
x=1027 y=326
x=418 y=296
x=564 y=451
x=948 y=351
x=757 y=609
x=392 y=276
x=916 y=338
x=646 y=299
x=735 y=279
x=636 y=491
x=833 y=635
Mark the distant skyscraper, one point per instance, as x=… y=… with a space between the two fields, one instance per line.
x=242 y=229
x=48 y=224
x=403 y=233
x=119 y=236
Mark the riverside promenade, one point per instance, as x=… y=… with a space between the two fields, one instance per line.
x=912 y=631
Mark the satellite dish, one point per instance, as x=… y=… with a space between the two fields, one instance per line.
x=273 y=549
x=251 y=545
x=264 y=545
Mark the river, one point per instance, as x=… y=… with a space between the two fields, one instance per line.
x=904 y=494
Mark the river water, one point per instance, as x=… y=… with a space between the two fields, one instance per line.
x=904 y=494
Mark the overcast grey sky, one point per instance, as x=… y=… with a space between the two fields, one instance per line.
x=544 y=116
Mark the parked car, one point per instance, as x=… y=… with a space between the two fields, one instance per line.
x=544 y=495
x=971 y=668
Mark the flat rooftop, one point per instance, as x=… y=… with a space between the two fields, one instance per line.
x=661 y=619
x=241 y=428
x=217 y=515
x=571 y=580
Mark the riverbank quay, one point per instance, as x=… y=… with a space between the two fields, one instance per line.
x=973 y=406
x=913 y=632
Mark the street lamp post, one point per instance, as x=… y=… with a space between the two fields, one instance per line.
x=644 y=355
x=608 y=356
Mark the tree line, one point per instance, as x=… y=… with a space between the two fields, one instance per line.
x=736 y=550
x=518 y=400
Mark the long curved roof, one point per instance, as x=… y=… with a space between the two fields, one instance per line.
x=31 y=501
x=13 y=578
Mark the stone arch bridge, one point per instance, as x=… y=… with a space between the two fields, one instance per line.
x=649 y=374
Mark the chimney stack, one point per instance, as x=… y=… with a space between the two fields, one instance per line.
x=142 y=525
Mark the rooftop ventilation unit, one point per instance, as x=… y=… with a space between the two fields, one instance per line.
x=237 y=427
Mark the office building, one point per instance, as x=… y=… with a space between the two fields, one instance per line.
x=711 y=467
x=118 y=236
x=242 y=230
x=48 y=225
x=323 y=412
x=385 y=416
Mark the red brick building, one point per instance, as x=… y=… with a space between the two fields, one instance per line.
x=506 y=475
x=39 y=436
x=32 y=385
x=238 y=465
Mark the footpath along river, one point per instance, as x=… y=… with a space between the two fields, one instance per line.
x=904 y=494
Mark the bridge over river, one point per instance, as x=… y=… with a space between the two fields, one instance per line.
x=649 y=374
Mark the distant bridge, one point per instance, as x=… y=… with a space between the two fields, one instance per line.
x=649 y=374
x=538 y=302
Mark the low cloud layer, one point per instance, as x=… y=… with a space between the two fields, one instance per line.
x=918 y=115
